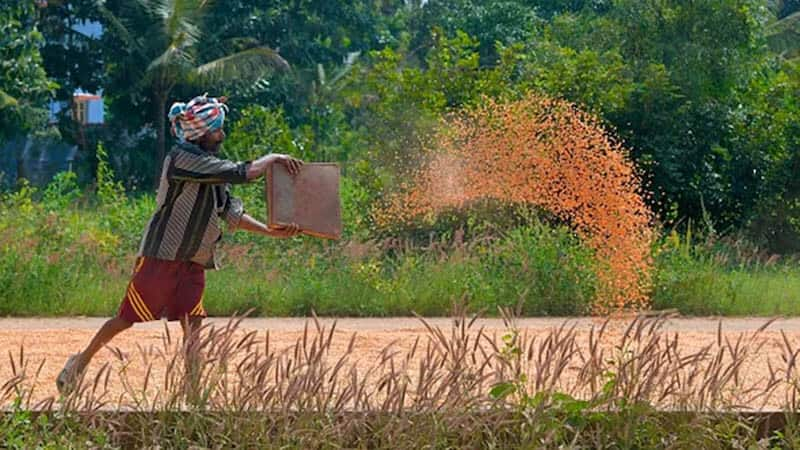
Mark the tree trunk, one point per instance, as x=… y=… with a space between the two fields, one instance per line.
x=161 y=141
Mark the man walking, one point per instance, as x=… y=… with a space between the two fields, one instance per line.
x=179 y=240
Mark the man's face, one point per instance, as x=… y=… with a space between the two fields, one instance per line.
x=211 y=141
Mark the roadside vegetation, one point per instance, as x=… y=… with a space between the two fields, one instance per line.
x=692 y=132
x=458 y=386
x=686 y=148
x=67 y=251
x=695 y=124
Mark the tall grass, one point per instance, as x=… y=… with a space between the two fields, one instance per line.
x=713 y=276
x=65 y=251
x=455 y=387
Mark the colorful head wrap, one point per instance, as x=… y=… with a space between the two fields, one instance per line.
x=196 y=118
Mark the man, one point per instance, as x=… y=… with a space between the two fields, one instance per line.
x=179 y=241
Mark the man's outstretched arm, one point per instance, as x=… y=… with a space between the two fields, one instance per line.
x=248 y=223
x=259 y=167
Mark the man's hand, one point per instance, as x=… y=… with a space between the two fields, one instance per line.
x=292 y=164
x=248 y=223
x=286 y=231
x=259 y=167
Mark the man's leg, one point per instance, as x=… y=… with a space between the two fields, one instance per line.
x=77 y=363
x=192 y=363
x=143 y=301
x=190 y=325
x=111 y=328
x=187 y=306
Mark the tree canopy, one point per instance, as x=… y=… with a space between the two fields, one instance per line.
x=24 y=85
x=704 y=94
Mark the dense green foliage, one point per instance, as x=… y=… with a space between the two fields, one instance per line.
x=65 y=252
x=562 y=425
x=702 y=93
x=24 y=86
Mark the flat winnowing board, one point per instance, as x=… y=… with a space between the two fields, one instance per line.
x=310 y=199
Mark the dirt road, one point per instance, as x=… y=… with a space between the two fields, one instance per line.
x=52 y=340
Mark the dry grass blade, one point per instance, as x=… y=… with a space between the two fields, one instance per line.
x=449 y=374
x=766 y=325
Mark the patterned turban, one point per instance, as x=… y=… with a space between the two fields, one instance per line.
x=196 y=118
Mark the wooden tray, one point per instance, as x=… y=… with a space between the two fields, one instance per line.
x=310 y=199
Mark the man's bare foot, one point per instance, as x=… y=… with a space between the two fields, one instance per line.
x=69 y=375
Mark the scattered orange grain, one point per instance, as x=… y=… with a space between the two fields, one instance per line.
x=548 y=153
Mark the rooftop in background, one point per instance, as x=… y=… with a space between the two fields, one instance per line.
x=84 y=97
x=87 y=108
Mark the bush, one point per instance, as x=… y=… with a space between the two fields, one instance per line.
x=715 y=277
x=547 y=269
x=68 y=252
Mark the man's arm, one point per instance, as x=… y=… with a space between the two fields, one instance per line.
x=259 y=167
x=188 y=166
x=248 y=223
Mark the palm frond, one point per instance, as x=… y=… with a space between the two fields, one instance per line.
x=175 y=60
x=783 y=36
x=178 y=17
x=7 y=100
x=250 y=64
x=119 y=28
x=346 y=67
x=776 y=6
x=154 y=8
x=789 y=22
x=185 y=17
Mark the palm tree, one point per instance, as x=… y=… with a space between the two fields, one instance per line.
x=783 y=34
x=167 y=49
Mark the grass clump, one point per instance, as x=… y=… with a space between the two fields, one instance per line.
x=458 y=386
x=545 y=269
x=69 y=253
x=713 y=276
x=25 y=429
x=65 y=251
